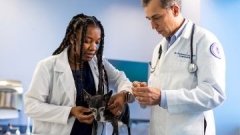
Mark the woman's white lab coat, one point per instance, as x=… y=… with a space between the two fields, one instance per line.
x=52 y=93
x=190 y=96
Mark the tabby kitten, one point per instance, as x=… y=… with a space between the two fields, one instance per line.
x=98 y=105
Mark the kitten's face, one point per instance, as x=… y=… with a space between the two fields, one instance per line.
x=97 y=104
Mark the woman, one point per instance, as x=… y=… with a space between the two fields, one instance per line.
x=55 y=98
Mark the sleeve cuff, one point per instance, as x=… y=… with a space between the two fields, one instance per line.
x=163 y=101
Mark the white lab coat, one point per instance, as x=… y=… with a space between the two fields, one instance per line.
x=52 y=93
x=190 y=96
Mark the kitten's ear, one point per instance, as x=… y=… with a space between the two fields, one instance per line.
x=108 y=95
x=86 y=95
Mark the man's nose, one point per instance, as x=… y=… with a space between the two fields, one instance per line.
x=153 y=24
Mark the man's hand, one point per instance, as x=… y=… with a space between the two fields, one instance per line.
x=146 y=95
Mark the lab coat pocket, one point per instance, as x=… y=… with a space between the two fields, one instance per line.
x=182 y=61
x=60 y=92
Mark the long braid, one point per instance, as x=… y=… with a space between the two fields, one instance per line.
x=82 y=25
x=100 y=55
x=103 y=78
x=84 y=30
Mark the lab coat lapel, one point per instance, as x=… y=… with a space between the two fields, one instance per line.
x=187 y=31
x=63 y=71
x=164 y=46
x=164 y=50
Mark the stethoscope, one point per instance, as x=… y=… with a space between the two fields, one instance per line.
x=192 y=67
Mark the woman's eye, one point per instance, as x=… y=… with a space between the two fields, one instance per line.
x=87 y=41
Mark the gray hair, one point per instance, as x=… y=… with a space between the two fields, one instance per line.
x=164 y=3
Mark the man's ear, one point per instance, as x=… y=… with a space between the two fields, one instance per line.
x=176 y=9
x=86 y=95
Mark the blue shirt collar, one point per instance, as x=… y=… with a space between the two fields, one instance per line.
x=177 y=34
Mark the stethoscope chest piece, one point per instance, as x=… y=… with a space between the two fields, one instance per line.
x=192 y=67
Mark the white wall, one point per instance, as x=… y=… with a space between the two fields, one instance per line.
x=222 y=18
x=130 y=35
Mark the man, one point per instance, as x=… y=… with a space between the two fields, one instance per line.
x=187 y=75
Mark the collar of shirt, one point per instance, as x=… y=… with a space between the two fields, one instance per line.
x=177 y=34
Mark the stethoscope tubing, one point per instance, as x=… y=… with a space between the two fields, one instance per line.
x=192 y=67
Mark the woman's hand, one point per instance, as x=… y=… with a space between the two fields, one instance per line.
x=116 y=103
x=83 y=114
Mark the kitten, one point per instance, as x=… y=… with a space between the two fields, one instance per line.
x=98 y=105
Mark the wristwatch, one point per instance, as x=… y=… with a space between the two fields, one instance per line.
x=127 y=96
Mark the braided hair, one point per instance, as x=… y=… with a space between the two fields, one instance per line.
x=80 y=22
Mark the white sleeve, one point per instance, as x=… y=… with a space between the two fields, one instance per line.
x=117 y=78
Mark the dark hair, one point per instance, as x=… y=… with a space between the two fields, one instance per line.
x=80 y=22
x=164 y=3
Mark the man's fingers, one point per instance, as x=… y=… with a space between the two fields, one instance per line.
x=136 y=84
x=139 y=84
x=143 y=84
